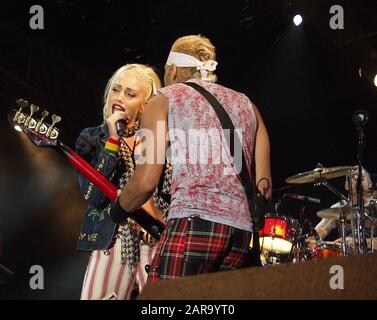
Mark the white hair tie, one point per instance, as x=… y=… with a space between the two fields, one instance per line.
x=185 y=60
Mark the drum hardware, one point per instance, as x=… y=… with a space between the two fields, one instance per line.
x=360 y=119
x=297 y=253
x=324 y=182
x=344 y=244
x=350 y=211
x=372 y=216
x=319 y=177
x=342 y=214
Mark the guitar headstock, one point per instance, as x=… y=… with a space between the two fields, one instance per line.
x=38 y=131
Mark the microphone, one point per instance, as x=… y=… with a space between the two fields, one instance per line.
x=360 y=118
x=302 y=198
x=120 y=126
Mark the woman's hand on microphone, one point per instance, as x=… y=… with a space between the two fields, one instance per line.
x=112 y=120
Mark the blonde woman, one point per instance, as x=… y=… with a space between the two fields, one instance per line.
x=116 y=268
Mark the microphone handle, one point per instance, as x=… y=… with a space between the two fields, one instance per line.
x=121 y=127
x=314 y=200
x=303 y=198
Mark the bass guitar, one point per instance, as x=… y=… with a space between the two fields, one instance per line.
x=42 y=134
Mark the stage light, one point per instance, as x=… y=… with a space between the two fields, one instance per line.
x=375 y=80
x=297 y=20
x=17 y=128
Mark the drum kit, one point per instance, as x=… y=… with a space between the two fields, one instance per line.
x=282 y=239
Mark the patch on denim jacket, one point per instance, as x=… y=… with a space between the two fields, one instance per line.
x=95 y=213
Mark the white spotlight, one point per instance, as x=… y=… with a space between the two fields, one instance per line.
x=17 y=128
x=297 y=19
x=375 y=80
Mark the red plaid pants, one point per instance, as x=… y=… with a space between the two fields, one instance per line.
x=191 y=246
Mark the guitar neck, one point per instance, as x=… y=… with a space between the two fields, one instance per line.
x=143 y=217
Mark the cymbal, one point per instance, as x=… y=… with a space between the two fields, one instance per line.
x=312 y=176
x=335 y=213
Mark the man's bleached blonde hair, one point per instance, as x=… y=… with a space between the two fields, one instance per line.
x=199 y=47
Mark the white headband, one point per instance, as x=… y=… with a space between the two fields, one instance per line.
x=185 y=60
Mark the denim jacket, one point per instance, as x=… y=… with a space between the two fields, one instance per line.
x=98 y=229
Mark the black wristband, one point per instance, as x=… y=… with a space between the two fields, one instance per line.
x=118 y=214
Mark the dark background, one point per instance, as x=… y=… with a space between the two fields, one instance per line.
x=305 y=80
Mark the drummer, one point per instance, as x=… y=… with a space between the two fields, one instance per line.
x=325 y=226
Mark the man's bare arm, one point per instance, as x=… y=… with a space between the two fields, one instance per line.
x=262 y=158
x=147 y=176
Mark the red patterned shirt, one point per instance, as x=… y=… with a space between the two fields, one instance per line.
x=204 y=182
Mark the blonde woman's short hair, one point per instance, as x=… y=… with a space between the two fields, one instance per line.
x=199 y=47
x=152 y=81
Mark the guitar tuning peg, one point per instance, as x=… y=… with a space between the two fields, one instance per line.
x=33 y=109
x=51 y=131
x=22 y=104
x=55 y=119
x=40 y=126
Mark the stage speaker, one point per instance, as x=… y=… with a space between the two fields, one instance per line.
x=351 y=277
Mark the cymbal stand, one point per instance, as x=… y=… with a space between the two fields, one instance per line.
x=323 y=182
x=297 y=247
x=343 y=218
x=360 y=119
x=372 y=217
x=343 y=227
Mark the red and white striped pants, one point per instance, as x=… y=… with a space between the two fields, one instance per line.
x=107 y=277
